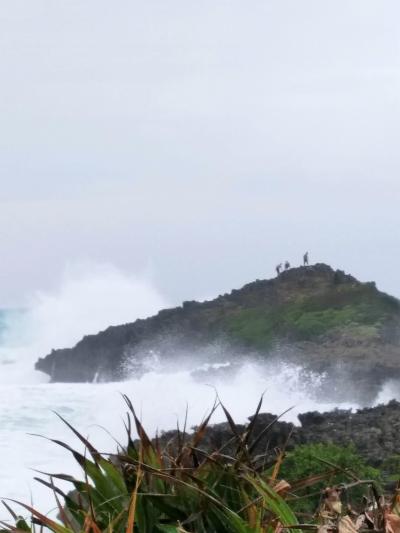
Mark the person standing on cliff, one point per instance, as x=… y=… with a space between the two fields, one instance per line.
x=305 y=259
x=278 y=269
x=287 y=265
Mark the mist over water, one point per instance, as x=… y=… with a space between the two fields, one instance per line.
x=88 y=301
x=390 y=390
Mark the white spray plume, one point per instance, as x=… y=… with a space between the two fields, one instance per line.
x=89 y=298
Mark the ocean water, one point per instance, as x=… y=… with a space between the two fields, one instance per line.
x=160 y=397
x=28 y=403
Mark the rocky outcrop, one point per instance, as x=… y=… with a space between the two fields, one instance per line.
x=373 y=432
x=319 y=317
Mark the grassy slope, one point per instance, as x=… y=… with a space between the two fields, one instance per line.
x=360 y=308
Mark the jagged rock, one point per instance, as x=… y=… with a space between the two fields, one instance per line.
x=323 y=319
x=373 y=431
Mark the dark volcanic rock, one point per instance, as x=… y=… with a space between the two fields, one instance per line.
x=373 y=431
x=323 y=319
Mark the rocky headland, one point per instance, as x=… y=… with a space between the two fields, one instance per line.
x=321 y=318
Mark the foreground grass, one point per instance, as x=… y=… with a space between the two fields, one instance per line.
x=146 y=488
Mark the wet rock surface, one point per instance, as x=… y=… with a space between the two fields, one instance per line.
x=373 y=431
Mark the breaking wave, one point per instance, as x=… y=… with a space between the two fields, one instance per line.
x=89 y=300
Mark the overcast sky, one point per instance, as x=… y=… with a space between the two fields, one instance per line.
x=200 y=141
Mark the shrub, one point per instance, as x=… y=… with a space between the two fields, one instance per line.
x=322 y=458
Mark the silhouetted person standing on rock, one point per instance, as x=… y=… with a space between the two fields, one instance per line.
x=278 y=269
x=287 y=265
x=305 y=259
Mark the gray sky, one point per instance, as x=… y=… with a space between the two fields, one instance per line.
x=200 y=141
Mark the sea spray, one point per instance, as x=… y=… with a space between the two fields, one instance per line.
x=89 y=299
x=390 y=390
x=86 y=303
x=160 y=397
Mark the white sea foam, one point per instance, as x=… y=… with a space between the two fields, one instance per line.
x=390 y=390
x=89 y=302
x=89 y=299
x=160 y=398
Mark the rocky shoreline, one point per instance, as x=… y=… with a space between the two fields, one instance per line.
x=374 y=432
x=315 y=316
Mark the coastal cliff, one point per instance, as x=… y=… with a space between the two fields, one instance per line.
x=316 y=316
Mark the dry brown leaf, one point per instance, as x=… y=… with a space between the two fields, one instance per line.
x=332 y=500
x=346 y=525
x=360 y=522
x=327 y=517
x=282 y=486
x=392 y=523
x=396 y=503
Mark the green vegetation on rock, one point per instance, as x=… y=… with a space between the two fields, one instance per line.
x=305 y=318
